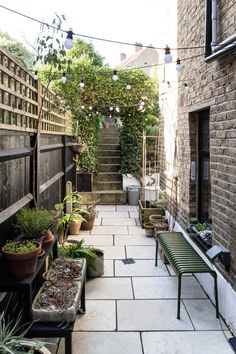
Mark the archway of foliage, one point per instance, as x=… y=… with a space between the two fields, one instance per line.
x=92 y=102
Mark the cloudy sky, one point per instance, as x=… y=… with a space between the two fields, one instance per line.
x=124 y=20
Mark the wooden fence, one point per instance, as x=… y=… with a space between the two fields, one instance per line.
x=34 y=164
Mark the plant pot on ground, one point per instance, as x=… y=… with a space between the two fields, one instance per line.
x=146 y=209
x=21 y=257
x=94 y=257
x=87 y=223
x=149 y=229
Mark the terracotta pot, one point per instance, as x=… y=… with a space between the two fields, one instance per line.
x=48 y=238
x=88 y=223
x=22 y=265
x=74 y=227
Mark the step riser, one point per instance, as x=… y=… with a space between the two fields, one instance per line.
x=104 y=177
x=110 y=153
x=109 y=160
x=109 y=147
x=109 y=168
x=109 y=199
x=110 y=140
x=107 y=186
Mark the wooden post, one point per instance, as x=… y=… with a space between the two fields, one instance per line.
x=37 y=147
x=68 y=204
x=63 y=155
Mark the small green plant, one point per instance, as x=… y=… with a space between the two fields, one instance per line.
x=201 y=227
x=19 y=247
x=77 y=250
x=193 y=220
x=33 y=223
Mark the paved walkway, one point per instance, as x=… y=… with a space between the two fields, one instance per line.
x=132 y=308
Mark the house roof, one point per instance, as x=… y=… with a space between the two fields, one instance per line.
x=128 y=62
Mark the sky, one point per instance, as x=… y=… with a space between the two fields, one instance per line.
x=124 y=20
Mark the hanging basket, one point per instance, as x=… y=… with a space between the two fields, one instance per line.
x=78 y=148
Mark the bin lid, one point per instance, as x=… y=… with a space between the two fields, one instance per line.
x=133 y=187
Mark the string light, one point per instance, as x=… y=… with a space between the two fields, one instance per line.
x=117 y=109
x=168 y=56
x=63 y=78
x=186 y=88
x=111 y=108
x=168 y=84
x=81 y=83
x=36 y=77
x=82 y=107
x=69 y=44
x=178 y=66
x=115 y=76
x=90 y=108
x=128 y=87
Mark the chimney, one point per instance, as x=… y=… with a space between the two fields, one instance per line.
x=138 y=47
x=122 y=56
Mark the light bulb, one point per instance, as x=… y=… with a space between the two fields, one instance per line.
x=63 y=78
x=115 y=76
x=178 y=66
x=36 y=77
x=81 y=83
x=69 y=44
x=90 y=114
x=97 y=112
x=128 y=87
x=117 y=109
x=168 y=84
x=82 y=107
x=111 y=108
x=186 y=88
x=90 y=108
x=168 y=56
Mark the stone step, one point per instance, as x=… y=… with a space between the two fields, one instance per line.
x=110 y=153
x=108 y=140
x=105 y=197
x=111 y=185
x=109 y=160
x=109 y=146
x=108 y=177
x=109 y=168
x=109 y=131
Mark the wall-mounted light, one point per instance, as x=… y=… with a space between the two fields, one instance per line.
x=69 y=44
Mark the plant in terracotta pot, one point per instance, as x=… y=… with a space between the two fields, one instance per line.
x=94 y=256
x=13 y=341
x=89 y=218
x=21 y=257
x=70 y=221
x=35 y=224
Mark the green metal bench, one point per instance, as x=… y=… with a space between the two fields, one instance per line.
x=184 y=260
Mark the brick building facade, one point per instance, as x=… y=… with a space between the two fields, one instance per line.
x=206 y=124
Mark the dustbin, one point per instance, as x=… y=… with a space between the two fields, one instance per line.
x=133 y=193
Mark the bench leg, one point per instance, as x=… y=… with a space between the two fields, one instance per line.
x=68 y=344
x=156 y=253
x=179 y=296
x=216 y=295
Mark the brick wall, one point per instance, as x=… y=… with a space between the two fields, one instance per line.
x=212 y=86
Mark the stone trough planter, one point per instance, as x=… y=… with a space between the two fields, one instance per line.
x=59 y=297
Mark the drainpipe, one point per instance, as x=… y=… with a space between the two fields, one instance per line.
x=214 y=24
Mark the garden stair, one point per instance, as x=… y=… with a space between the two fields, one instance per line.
x=107 y=186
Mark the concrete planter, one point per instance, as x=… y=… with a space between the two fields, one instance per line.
x=145 y=210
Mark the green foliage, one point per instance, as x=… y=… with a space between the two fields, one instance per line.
x=201 y=227
x=17 y=49
x=19 y=247
x=85 y=51
x=77 y=250
x=33 y=223
x=193 y=220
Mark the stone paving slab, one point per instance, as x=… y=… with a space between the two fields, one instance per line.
x=105 y=343
x=133 y=214
x=167 y=288
x=185 y=343
x=100 y=316
x=91 y=240
x=105 y=208
x=133 y=240
x=203 y=315
x=126 y=208
x=113 y=252
x=98 y=221
x=109 y=289
x=140 y=252
x=140 y=268
x=136 y=230
x=148 y=315
x=109 y=230
x=113 y=214
x=118 y=221
x=108 y=268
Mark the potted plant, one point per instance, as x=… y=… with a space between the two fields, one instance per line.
x=35 y=224
x=89 y=217
x=77 y=146
x=71 y=220
x=12 y=338
x=151 y=207
x=21 y=257
x=94 y=257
